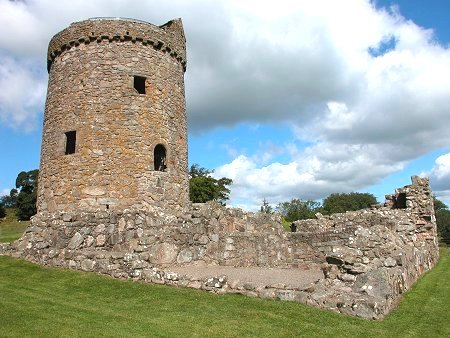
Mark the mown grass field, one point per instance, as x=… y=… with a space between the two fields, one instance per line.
x=38 y=301
x=10 y=228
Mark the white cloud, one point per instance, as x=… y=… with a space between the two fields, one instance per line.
x=22 y=93
x=4 y=192
x=440 y=177
x=265 y=61
x=231 y=151
x=313 y=173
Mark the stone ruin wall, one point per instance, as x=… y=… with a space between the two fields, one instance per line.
x=401 y=241
x=92 y=68
x=368 y=257
x=210 y=234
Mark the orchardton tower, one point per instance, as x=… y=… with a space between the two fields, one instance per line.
x=114 y=132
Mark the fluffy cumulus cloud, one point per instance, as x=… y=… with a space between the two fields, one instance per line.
x=440 y=178
x=22 y=93
x=379 y=86
x=313 y=173
x=366 y=89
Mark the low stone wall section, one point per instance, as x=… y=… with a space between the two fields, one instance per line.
x=368 y=257
x=211 y=234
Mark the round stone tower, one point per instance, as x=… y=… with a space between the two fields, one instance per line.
x=114 y=132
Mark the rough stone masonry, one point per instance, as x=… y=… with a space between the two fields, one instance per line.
x=113 y=191
x=115 y=120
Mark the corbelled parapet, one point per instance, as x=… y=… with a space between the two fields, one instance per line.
x=169 y=38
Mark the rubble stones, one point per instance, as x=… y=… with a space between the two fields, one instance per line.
x=87 y=265
x=346 y=277
x=163 y=253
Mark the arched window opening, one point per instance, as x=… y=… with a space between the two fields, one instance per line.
x=159 y=157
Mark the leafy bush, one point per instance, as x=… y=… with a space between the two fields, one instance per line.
x=298 y=209
x=203 y=187
x=336 y=203
x=2 y=211
x=442 y=220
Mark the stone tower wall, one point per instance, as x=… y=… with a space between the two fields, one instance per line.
x=92 y=65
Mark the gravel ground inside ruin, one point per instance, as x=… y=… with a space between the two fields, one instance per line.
x=298 y=278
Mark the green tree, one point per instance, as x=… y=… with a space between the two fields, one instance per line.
x=347 y=202
x=2 y=211
x=265 y=207
x=298 y=209
x=442 y=220
x=26 y=182
x=9 y=201
x=439 y=205
x=203 y=187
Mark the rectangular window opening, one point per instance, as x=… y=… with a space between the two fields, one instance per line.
x=71 y=140
x=139 y=84
x=400 y=201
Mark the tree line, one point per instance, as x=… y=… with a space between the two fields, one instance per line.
x=298 y=209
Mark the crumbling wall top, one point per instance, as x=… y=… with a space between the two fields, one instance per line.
x=416 y=197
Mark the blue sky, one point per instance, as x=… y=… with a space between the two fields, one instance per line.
x=293 y=99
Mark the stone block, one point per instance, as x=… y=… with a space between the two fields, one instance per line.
x=163 y=253
x=87 y=265
x=348 y=278
x=75 y=241
x=185 y=256
x=390 y=262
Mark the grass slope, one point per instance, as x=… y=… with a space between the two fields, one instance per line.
x=38 y=301
x=10 y=228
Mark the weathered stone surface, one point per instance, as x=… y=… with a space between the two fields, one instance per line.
x=185 y=256
x=390 y=262
x=117 y=127
x=163 y=253
x=76 y=241
x=87 y=265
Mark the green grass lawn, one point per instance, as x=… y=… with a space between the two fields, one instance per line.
x=39 y=301
x=10 y=228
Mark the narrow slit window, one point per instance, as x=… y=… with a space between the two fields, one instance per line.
x=159 y=157
x=71 y=140
x=139 y=84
